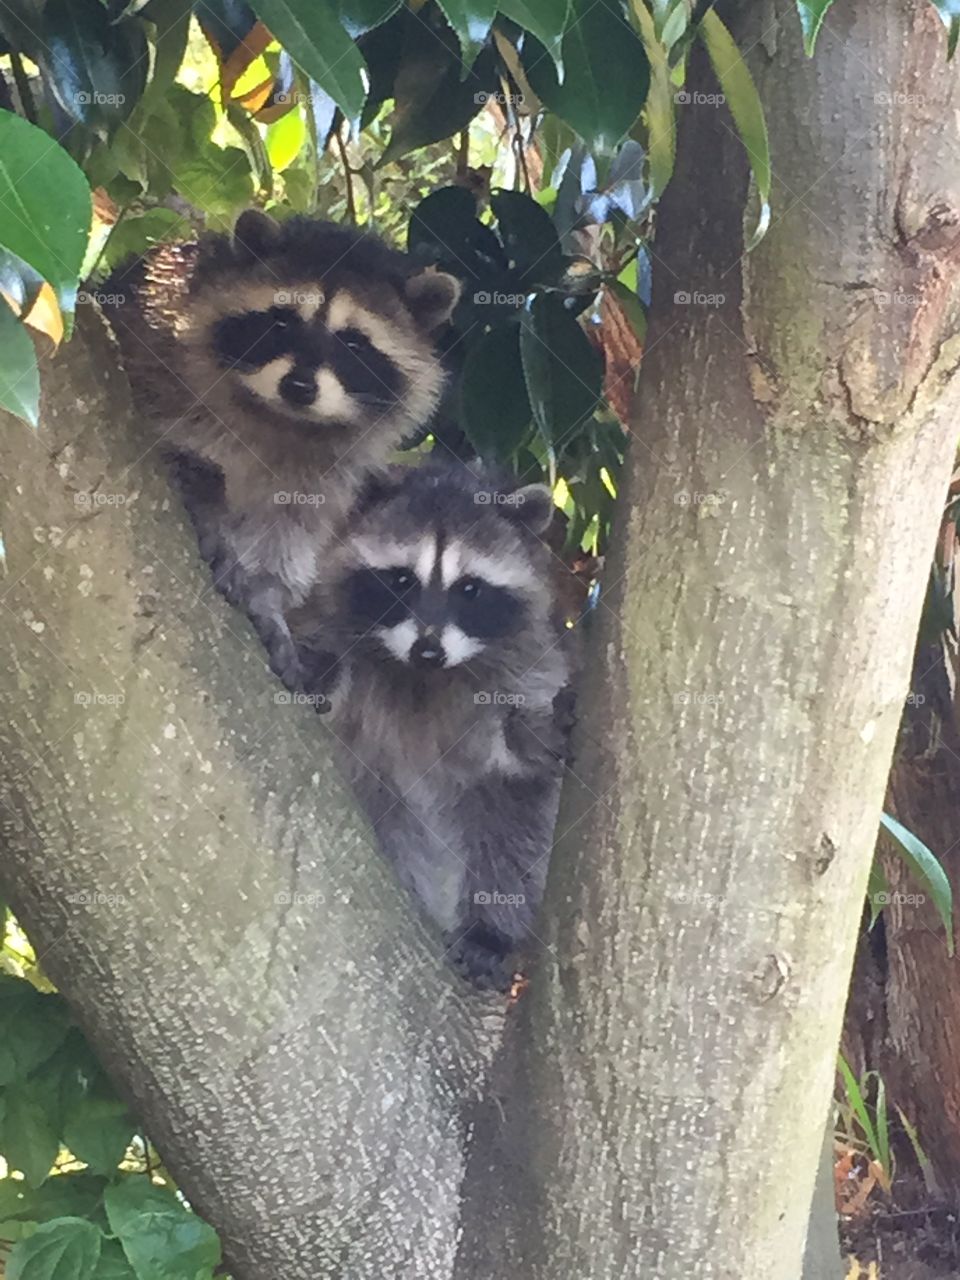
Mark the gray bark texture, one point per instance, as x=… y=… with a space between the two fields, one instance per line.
x=197 y=885
x=796 y=425
x=200 y=890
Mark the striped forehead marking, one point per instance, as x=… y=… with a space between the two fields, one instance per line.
x=462 y=561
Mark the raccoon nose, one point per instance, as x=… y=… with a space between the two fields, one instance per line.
x=427 y=652
x=299 y=387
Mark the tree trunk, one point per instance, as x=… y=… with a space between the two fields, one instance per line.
x=922 y=981
x=796 y=428
x=196 y=882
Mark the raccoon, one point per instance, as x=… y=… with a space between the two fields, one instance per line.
x=279 y=365
x=450 y=695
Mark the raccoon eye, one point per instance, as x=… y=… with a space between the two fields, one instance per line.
x=282 y=317
x=402 y=579
x=469 y=588
x=354 y=340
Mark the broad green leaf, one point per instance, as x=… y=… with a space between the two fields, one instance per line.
x=113 y=1264
x=68 y=1195
x=98 y=1132
x=95 y=68
x=659 y=112
x=606 y=74
x=949 y=11
x=745 y=107
x=812 y=14
x=64 y=1249
x=19 y=394
x=218 y=180
x=30 y=1131
x=171 y=19
x=285 y=137
x=360 y=16
x=546 y=19
x=925 y=868
x=471 y=20
x=45 y=206
x=493 y=394
x=633 y=308
x=563 y=371
x=316 y=40
x=529 y=238
x=162 y=1240
x=32 y=1025
x=432 y=99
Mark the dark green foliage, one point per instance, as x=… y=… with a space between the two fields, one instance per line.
x=58 y=1111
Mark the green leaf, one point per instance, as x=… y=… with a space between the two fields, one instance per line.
x=285 y=138
x=98 y=1132
x=96 y=68
x=68 y=1195
x=563 y=371
x=433 y=100
x=812 y=14
x=659 y=112
x=30 y=1131
x=65 y=1249
x=218 y=180
x=546 y=19
x=19 y=394
x=606 y=74
x=361 y=16
x=471 y=20
x=743 y=100
x=45 y=206
x=319 y=45
x=529 y=238
x=162 y=1240
x=113 y=1264
x=925 y=868
x=949 y=11
x=32 y=1025
x=493 y=394
x=633 y=308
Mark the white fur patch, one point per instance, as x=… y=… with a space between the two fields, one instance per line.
x=458 y=646
x=385 y=553
x=399 y=640
x=332 y=401
x=426 y=560
x=467 y=562
x=265 y=382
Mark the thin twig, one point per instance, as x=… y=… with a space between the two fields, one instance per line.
x=27 y=105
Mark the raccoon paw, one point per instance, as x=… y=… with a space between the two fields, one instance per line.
x=482 y=956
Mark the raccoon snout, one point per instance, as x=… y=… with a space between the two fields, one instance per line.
x=427 y=652
x=299 y=388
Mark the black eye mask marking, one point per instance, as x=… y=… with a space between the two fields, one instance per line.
x=364 y=370
x=249 y=341
x=381 y=597
x=484 y=611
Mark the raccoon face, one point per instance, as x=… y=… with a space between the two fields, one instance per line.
x=434 y=599
x=322 y=326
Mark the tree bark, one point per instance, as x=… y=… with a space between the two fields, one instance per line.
x=792 y=448
x=196 y=882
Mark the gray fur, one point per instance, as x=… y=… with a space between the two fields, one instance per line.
x=268 y=484
x=457 y=768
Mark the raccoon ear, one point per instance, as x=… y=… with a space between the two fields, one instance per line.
x=532 y=506
x=255 y=234
x=431 y=296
